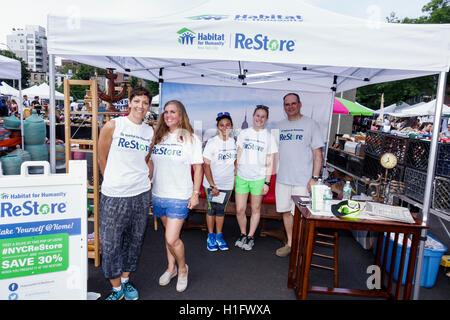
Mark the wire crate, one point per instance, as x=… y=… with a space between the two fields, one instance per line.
x=415 y=181
x=417 y=154
x=397 y=173
x=374 y=143
x=396 y=145
x=355 y=165
x=371 y=167
x=443 y=160
x=441 y=194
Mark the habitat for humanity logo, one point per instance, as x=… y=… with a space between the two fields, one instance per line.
x=186 y=36
x=216 y=17
x=204 y=40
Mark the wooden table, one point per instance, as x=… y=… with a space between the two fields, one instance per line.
x=304 y=228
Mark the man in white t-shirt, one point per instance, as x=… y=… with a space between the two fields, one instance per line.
x=300 y=162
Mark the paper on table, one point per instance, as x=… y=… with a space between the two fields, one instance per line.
x=220 y=198
x=379 y=210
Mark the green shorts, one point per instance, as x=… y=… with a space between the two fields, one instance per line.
x=245 y=186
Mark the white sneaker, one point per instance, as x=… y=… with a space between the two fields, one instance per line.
x=164 y=280
x=183 y=281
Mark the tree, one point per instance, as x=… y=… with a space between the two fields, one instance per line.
x=436 y=11
x=25 y=73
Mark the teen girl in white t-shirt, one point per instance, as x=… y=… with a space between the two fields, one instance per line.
x=175 y=148
x=256 y=149
x=219 y=157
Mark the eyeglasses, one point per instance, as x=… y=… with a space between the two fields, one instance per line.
x=220 y=114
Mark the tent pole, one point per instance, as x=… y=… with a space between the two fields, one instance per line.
x=21 y=112
x=330 y=118
x=51 y=114
x=430 y=177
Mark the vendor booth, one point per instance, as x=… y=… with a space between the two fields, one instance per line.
x=294 y=48
x=12 y=69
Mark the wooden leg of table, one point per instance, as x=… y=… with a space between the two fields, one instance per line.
x=411 y=265
x=308 y=257
x=294 y=251
x=402 y=266
x=393 y=262
x=300 y=256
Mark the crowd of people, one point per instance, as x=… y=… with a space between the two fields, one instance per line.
x=165 y=166
x=411 y=125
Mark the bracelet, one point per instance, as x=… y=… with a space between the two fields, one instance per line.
x=197 y=192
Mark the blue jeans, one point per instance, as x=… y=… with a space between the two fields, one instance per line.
x=170 y=208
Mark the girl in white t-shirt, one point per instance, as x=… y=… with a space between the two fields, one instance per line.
x=219 y=157
x=256 y=150
x=175 y=148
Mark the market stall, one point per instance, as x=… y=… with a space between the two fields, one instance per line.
x=248 y=44
x=12 y=69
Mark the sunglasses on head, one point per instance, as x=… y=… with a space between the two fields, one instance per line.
x=261 y=106
x=220 y=114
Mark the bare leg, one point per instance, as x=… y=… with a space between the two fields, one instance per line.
x=288 y=221
x=175 y=245
x=241 y=207
x=219 y=224
x=210 y=223
x=170 y=257
x=256 y=214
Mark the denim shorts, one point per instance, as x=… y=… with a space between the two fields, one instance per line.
x=170 y=208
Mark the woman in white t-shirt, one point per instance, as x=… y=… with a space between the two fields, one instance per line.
x=219 y=157
x=255 y=155
x=175 y=148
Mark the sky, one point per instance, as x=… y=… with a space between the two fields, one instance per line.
x=16 y=14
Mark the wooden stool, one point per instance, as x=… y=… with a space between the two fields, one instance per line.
x=332 y=242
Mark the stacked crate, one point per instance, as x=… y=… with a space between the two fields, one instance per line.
x=378 y=143
x=416 y=173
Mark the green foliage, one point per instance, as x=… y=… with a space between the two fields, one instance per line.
x=396 y=91
x=25 y=73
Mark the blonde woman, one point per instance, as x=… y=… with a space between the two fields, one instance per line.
x=175 y=149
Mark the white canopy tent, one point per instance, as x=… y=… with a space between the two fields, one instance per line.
x=293 y=47
x=395 y=107
x=7 y=90
x=42 y=91
x=422 y=109
x=12 y=69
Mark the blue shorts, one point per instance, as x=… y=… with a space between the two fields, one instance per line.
x=170 y=208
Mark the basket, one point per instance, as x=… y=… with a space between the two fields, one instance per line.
x=417 y=154
x=396 y=145
x=443 y=160
x=374 y=143
x=441 y=194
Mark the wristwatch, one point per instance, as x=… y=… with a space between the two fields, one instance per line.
x=267 y=183
x=315 y=177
